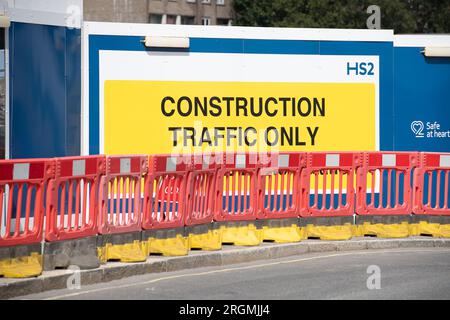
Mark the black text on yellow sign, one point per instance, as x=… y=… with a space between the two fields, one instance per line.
x=160 y=116
x=243 y=107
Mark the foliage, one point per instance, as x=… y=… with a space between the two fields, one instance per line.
x=404 y=16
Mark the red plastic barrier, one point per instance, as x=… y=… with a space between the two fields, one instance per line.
x=431 y=181
x=279 y=185
x=336 y=198
x=236 y=186
x=390 y=178
x=165 y=191
x=201 y=189
x=22 y=188
x=121 y=194
x=72 y=208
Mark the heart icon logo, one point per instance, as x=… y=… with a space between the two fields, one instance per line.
x=417 y=128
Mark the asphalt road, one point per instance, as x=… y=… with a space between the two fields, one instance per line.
x=404 y=274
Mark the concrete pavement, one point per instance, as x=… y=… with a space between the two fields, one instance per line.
x=407 y=273
x=410 y=268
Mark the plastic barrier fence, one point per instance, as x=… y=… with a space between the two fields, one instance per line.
x=279 y=185
x=121 y=194
x=201 y=189
x=328 y=184
x=83 y=196
x=72 y=206
x=165 y=191
x=384 y=183
x=431 y=184
x=22 y=192
x=236 y=182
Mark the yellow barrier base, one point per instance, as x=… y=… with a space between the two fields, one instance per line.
x=342 y=232
x=432 y=229
x=380 y=230
x=445 y=230
x=357 y=231
x=177 y=246
x=129 y=252
x=289 y=234
x=212 y=240
x=241 y=236
x=22 y=267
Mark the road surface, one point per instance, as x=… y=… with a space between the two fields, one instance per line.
x=403 y=274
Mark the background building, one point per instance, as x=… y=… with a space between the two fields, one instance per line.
x=205 y=12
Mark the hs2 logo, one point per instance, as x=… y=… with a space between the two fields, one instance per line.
x=360 y=68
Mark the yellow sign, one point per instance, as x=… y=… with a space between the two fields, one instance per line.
x=157 y=117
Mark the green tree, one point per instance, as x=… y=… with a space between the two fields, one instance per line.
x=404 y=16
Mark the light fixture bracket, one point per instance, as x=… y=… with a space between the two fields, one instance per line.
x=442 y=52
x=166 y=42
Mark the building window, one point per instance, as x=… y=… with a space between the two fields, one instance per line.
x=220 y=2
x=187 y=20
x=156 y=18
x=191 y=1
x=206 y=21
x=206 y=1
x=223 y=22
x=171 y=19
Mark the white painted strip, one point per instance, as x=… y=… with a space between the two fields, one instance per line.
x=332 y=160
x=21 y=171
x=171 y=164
x=389 y=160
x=283 y=160
x=240 y=161
x=84 y=139
x=206 y=161
x=231 y=67
x=125 y=165
x=65 y=13
x=268 y=171
x=79 y=167
x=444 y=161
x=195 y=31
x=437 y=40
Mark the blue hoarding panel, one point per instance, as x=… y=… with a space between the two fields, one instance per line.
x=383 y=50
x=73 y=91
x=422 y=101
x=45 y=84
